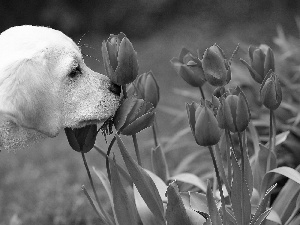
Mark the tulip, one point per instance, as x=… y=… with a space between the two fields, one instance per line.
x=204 y=124
x=120 y=59
x=270 y=91
x=82 y=139
x=189 y=68
x=261 y=62
x=215 y=66
x=233 y=112
x=146 y=87
x=133 y=116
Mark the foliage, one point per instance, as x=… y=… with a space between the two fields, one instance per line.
x=244 y=181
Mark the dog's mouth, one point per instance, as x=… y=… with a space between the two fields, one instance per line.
x=89 y=122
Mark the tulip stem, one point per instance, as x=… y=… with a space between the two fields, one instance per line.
x=137 y=151
x=107 y=155
x=202 y=93
x=93 y=187
x=272 y=137
x=243 y=171
x=211 y=151
x=154 y=132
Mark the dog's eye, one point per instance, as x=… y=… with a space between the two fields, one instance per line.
x=75 y=71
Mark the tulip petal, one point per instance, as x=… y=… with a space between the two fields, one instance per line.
x=72 y=139
x=123 y=112
x=183 y=53
x=90 y=138
x=221 y=115
x=269 y=61
x=229 y=121
x=108 y=68
x=193 y=75
x=268 y=94
x=191 y=110
x=139 y=124
x=242 y=114
x=112 y=49
x=253 y=73
x=251 y=49
x=127 y=69
x=207 y=131
x=258 y=62
x=214 y=68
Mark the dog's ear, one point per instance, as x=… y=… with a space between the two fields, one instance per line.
x=29 y=99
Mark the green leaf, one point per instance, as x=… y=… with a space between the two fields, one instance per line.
x=262 y=217
x=254 y=138
x=212 y=207
x=120 y=169
x=143 y=182
x=261 y=208
x=221 y=167
x=146 y=215
x=125 y=212
x=240 y=197
x=190 y=179
x=285 y=202
x=280 y=138
x=295 y=221
x=194 y=217
x=285 y=171
x=105 y=182
x=247 y=168
x=260 y=168
x=176 y=213
x=159 y=163
x=198 y=202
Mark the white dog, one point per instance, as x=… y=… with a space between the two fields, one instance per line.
x=46 y=86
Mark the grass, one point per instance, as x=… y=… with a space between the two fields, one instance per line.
x=42 y=185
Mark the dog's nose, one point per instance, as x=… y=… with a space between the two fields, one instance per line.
x=114 y=88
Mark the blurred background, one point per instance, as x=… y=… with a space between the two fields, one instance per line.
x=42 y=184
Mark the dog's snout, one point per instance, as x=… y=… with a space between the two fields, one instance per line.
x=114 y=88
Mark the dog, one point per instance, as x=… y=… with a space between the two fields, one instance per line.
x=46 y=86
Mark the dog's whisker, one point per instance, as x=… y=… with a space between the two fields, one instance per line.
x=88 y=46
x=92 y=57
x=78 y=43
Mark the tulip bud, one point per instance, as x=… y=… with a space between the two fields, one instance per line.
x=261 y=62
x=270 y=91
x=203 y=124
x=215 y=66
x=133 y=116
x=82 y=139
x=233 y=112
x=120 y=59
x=189 y=68
x=146 y=88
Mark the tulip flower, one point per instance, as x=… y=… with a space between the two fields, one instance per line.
x=233 y=112
x=133 y=116
x=189 y=68
x=146 y=87
x=270 y=91
x=204 y=124
x=120 y=59
x=82 y=139
x=261 y=62
x=215 y=66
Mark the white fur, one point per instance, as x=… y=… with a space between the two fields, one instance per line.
x=37 y=96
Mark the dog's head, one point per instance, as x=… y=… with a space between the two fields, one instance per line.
x=45 y=84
